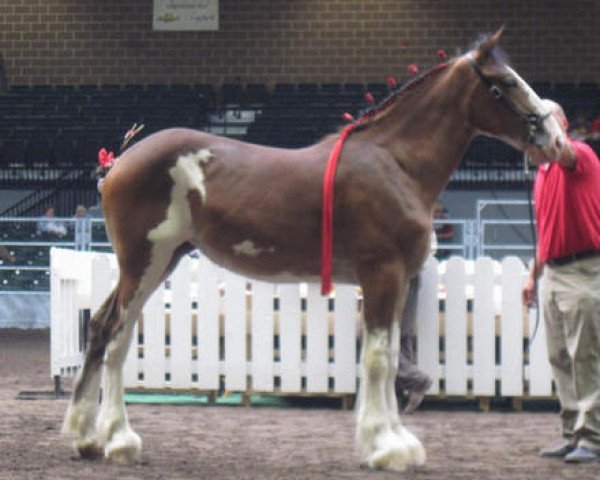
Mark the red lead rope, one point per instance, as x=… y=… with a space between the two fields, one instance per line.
x=327 y=229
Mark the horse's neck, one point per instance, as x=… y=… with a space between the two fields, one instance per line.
x=428 y=133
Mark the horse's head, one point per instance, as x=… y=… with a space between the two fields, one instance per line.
x=505 y=106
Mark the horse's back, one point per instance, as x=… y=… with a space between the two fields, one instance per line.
x=251 y=208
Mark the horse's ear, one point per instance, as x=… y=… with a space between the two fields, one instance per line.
x=485 y=48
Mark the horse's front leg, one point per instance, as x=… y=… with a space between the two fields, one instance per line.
x=383 y=442
x=417 y=452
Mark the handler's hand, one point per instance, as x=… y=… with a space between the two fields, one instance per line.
x=528 y=294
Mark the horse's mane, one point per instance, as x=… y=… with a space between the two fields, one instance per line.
x=496 y=56
x=365 y=116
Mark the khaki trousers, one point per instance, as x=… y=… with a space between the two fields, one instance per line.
x=571 y=300
x=410 y=377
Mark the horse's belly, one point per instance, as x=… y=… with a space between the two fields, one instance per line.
x=272 y=264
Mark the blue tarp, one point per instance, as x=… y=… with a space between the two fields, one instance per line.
x=24 y=309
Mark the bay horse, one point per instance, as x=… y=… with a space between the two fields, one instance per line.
x=258 y=211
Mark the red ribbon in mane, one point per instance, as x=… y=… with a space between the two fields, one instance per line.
x=105 y=158
x=327 y=228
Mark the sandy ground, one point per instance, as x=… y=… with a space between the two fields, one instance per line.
x=225 y=442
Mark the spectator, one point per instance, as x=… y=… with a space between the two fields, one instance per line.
x=444 y=232
x=411 y=382
x=580 y=128
x=6 y=255
x=50 y=225
x=80 y=212
x=95 y=211
x=595 y=130
x=567 y=204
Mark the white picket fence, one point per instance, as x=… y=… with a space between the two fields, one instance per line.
x=208 y=325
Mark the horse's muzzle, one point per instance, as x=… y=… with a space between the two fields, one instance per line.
x=539 y=138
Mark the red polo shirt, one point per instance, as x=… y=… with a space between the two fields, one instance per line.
x=567 y=204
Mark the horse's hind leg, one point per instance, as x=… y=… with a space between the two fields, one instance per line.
x=95 y=428
x=120 y=443
x=108 y=433
x=80 y=418
x=103 y=429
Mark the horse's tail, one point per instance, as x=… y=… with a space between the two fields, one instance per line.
x=103 y=326
x=107 y=159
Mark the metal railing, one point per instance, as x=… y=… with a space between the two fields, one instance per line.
x=509 y=235
x=30 y=247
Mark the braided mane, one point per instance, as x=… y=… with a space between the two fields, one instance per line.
x=368 y=114
x=496 y=55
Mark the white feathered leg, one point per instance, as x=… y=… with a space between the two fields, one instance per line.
x=417 y=452
x=120 y=443
x=379 y=445
x=80 y=417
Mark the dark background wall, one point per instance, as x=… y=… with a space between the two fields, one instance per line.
x=270 y=41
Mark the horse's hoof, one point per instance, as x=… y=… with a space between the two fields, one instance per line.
x=391 y=458
x=417 y=452
x=388 y=452
x=124 y=447
x=89 y=450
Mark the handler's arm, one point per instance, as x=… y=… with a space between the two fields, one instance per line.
x=529 y=294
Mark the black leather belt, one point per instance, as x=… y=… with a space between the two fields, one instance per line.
x=557 y=262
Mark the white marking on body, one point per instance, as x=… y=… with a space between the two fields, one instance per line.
x=176 y=227
x=248 y=248
x=187 y=176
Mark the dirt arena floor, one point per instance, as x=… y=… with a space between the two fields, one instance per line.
x=234 y=442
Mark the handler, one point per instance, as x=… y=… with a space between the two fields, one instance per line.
x=567 y=204
x=411 y=381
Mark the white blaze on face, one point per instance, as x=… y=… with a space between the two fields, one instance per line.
x=535 y=104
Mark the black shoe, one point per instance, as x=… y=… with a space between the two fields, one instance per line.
x=416 y=396
x=582 y=455
x=560 y=451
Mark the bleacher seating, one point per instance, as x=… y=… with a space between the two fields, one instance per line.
x=64 y=125
x=298 y=115
x=45 y=125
